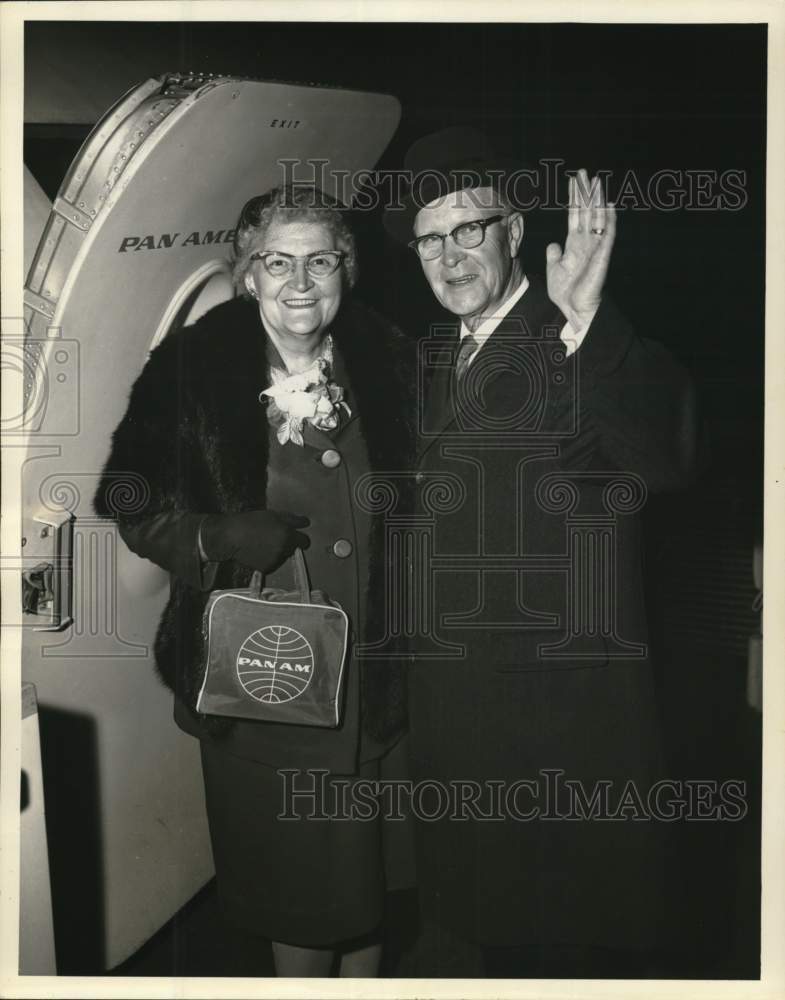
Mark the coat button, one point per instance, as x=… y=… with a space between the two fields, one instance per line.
x=343 y=548
x=419 y=477
x=331 y=458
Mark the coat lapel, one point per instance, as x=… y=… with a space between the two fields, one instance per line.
x=438 y=409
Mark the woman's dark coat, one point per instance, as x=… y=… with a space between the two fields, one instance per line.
x=195 y=440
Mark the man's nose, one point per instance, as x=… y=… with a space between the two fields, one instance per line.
x=301 y=279
x=452 y=254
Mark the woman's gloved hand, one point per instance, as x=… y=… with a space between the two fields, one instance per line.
x=259 y=539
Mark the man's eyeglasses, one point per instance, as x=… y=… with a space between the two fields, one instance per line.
x=321 y=264
x=468 y=235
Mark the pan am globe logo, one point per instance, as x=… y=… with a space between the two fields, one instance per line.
x=275 y=664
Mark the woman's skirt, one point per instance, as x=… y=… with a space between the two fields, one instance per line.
x=304 y=857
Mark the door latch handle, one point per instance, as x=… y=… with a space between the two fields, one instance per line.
x=37 y=588
x=47 y=566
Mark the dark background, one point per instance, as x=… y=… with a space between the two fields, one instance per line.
x=611 y=97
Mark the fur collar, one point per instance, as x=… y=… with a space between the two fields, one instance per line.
x=224 y=355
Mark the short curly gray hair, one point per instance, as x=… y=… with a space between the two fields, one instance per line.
x=290 y=203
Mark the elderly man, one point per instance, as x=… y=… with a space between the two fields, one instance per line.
x=545 y=421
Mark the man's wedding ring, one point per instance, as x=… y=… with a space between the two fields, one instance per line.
x=598 y=232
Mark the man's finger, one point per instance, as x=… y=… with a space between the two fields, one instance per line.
x=603 y=245
x=607 y=223
x=598 y=197
x=610 y=219
x=598 y=220
x=553 y=253
x=583 y=193
x=573 y=217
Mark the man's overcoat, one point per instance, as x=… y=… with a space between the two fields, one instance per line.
x=532 y=660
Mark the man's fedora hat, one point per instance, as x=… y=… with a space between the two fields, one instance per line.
x=454 y=159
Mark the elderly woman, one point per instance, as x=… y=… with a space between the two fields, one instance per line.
x=236 y=483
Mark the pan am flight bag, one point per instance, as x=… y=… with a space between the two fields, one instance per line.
x=273 y=655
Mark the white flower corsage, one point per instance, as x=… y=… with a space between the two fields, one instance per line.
x=308 y=395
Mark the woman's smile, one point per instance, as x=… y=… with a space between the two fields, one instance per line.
x=300 y=303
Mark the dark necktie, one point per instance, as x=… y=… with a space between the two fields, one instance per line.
x=468 y=347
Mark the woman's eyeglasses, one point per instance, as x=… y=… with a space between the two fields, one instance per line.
x=468 y=235
x=282 y=265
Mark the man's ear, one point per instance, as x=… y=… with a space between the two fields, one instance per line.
x=515 y=232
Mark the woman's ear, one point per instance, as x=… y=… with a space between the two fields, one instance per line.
x=250 y=287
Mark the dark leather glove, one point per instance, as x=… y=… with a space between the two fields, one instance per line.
x=259 y=539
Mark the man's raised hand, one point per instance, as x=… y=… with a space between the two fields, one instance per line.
x=576 y=275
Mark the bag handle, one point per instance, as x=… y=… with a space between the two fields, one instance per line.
x=301 y=580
